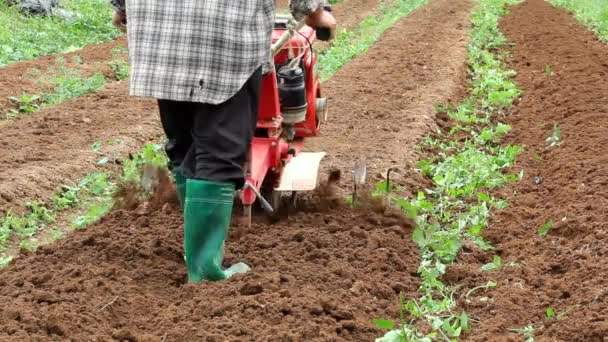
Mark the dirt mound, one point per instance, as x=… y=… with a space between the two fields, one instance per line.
x=562 y=70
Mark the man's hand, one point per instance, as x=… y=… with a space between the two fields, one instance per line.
x=119 y=20
x=322 y=19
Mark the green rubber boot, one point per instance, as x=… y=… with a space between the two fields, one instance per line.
x=180 y=186
x=206 y=219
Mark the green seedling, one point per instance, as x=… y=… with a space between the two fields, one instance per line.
x=544 y=229
x=554 y=139
x=488 y=285
x=29 y=245
x=550 y=313
x=56 y=235
x=514 y=264
x=494 y=265
x=65 y=83
x=96 y=146
x=5 y=260
x=27 y=104
x=548 y=70
x=120 y=68
x=527 y=332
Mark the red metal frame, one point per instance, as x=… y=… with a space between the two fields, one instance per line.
x=270 y=150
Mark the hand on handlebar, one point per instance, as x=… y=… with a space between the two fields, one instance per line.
x=324 y=22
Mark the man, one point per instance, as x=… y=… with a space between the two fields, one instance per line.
x=202 y=60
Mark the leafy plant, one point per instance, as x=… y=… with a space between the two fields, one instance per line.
x=70 y=84
x=27 y=104
x=550 y=313
x=5 y=260
x=527 y=332
x=120 y=68
x=544 y=229
x=64 y=83
x=554 y=138
x=494 y=265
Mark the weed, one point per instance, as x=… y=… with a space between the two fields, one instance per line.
x=494 y=265
x=554 y=138
x=527 y=332
x=70 y=84
x=96 y=146
x=548 y=70
x=488 y=285
x=65 y=83
x=120 y=68
x=544 y=229
x=29 y=245
x=550 y=313
x=56 y=235
x=5 y=260
x=27 y=104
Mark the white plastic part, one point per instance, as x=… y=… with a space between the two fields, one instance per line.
x=301 y=173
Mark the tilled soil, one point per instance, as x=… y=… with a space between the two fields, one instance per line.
x=317 y=276
x=566 y=269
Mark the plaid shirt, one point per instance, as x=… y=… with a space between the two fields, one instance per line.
x=199 y=50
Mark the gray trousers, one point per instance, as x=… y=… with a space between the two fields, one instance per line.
x=212 y=142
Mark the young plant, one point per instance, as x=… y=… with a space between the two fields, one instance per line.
x=27 y=104
x=554 y=138
x=544 y=229
x=120 y=68
x=527 y=332
x=494 y=265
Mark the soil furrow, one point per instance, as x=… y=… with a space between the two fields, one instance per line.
x=317 y=276
x=562 y=71
x=382 y=104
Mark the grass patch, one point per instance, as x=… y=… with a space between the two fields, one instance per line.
x=25 y=37
x=63 y=83
x=92 y=196
x=350 y=44
x=592 y=13
x=470 y=163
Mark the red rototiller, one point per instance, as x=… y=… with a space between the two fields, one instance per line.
x=291 y=110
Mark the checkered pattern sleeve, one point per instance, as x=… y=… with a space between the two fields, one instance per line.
x=301 y=8
x=118 y=5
